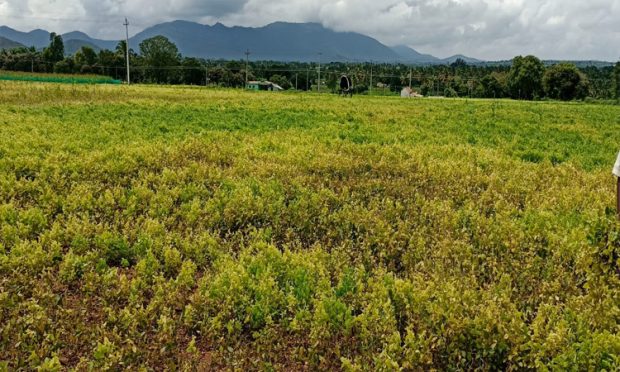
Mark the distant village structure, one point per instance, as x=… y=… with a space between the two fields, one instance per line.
x=263 y=85
x=407 y=92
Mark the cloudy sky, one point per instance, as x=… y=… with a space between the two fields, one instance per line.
x=489 y=29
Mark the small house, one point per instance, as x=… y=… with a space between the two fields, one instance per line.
x=263 y=85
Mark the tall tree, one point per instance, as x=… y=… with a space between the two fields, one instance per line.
x=85 y=56
x=108 y=64
x=121 y=48
x=194 y=72
x=219 y=75
x=490 y=87
x=459 y=63
x=564 y=81
x=159 y=55
x=281 y=81
x=525 y=77
x=55 y=52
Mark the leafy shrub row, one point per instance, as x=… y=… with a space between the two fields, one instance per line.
x=303 y=249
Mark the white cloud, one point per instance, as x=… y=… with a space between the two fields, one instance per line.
x=490 y=29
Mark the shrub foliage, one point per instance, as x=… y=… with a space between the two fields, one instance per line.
x=175 y=228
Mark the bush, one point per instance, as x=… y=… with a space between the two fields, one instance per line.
x=115 y=250
x=64 y=67
x=450 y=93
x=201 y=231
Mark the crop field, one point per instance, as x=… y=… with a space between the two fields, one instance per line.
x=56 y=78
x=176 y=228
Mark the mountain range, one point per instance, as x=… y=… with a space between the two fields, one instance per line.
x=8 y=44
x=278 y=41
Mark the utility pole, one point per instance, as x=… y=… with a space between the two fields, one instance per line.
x=247 y=61
x=295 y=81
x=126 y=24
x=206 y=75
x=319 y=88
x=307 y=79
x=370 y=87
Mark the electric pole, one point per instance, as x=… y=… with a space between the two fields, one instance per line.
x=319 y=88
x=247 y=60
x=126 y=24
x=370 y=87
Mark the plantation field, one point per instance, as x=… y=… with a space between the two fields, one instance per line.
x=56 y=78
x=184 y=228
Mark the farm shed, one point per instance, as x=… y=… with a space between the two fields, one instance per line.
x=263 y=85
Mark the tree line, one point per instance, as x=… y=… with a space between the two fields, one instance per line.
x=158 y=61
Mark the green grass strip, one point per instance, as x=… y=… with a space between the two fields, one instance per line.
x=63 y=80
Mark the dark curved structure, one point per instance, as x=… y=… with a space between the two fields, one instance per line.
x=346 y=87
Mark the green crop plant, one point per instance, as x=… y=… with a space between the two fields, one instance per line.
x=167 y=228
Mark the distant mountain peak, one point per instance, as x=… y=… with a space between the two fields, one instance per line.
x=76 y=34
x=181 y=21
x=411 y=55
x=456 y=57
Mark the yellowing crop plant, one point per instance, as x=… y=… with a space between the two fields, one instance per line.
x=182 y=228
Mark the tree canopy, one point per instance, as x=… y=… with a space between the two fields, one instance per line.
x=158 y=61
x=525 y=77
x=159 y=53
x=55 y=52
x=565 y=82
x=85 y=56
